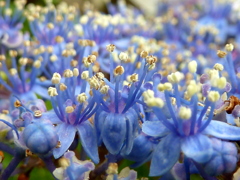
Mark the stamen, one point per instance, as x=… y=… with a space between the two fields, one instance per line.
x=82 y=98
x=52 y=91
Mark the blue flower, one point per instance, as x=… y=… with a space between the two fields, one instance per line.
x=116 y=121
x=73 y=114
x=190 y=136
x=72 y=168
x=11 y=21
x=23 y=83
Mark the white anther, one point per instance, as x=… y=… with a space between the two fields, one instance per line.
x=94 y=83
x=133 y=77
x=62 y=87
x=192 y=66
x=144 y=54
x=37 y=64
x=175 y=77
x=13 y=71
x=110 y=47
x=84 y=19
x=91 y=58
x=68 y=73
x=123 y=56
x=221 y=82
x=192 y=88
x=69 y=109
x=52 y=91
x=104 y=89
x=100 y=75
x=150 y=100
x=53 y=58
x=184 y=113
x=56 y=78
x=213 y=96
x=119 y=70
x=75 y=72
x=86 y=62
x=23 y=61
x=229 y=47
x=218 y=67
x=166 y=86
x=82 y=97
x=85 y=75
x=50 y=25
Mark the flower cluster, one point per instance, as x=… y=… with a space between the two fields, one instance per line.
x=86 y=93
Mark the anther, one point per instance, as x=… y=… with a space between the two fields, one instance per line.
x=221 y=54
x=110 y=47
x=119 y=70
x=52 y=91
x=28 y=153
x=17 y=104
x=58 y=144
x=82 y=98
x=37 y=113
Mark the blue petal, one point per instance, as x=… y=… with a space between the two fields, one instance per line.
x=66 y=135
x=114 y=132
x=165 y=155
x=131 y=129
x=154 y=128
x=89 y=140
x=222 y=130
x=141 y=150
x=99 y=119
x=51 y=115
x=197 y=147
